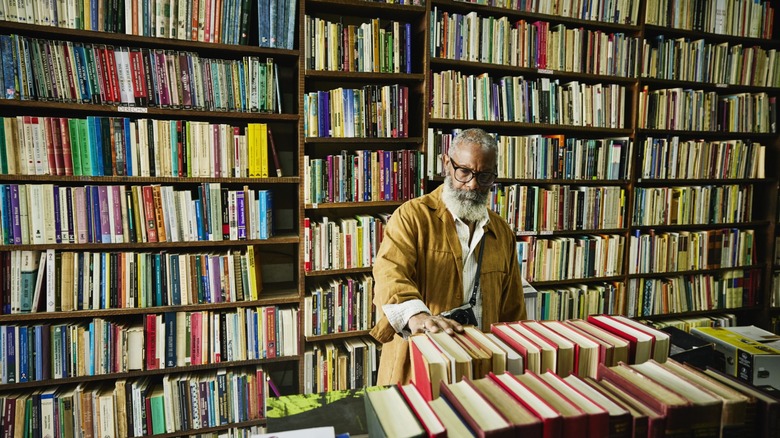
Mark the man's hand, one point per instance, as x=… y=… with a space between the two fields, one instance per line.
x=423 y=322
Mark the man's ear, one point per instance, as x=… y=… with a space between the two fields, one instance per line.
x=445 y=164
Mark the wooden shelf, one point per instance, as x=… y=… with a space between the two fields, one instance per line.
x=364 y=8
x=668 y=31
x=334 y=336
x=479 y=67
x=707 y=135
x=694 y=272
x=553 y=283
x=702 y=181
x=357 y=141
x=331 y=272
x=699 y=313
x=529 y=127
x=145 y=246
x=365 y=76
x=269 y=298
x=144 y=373
x=44 y=108
x=571 y=232
x=558 y=181
x=654 y=83
x=230 y=50
x=365 y=204
x=145 y=179
x=514 y=15
x=740 y=225
x=205 y=430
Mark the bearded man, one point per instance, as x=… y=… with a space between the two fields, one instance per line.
x=446 y=260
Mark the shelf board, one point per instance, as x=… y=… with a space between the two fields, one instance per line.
x=752 y=224
x=362 y=140
x=146 y=179
x=693 y=272
x=267 y=299
x=531 y=127
x=133 y=374
x=699 y=313
x=205 y=430
x=331 y=272
x=702 y=181
x=364 y=76
x=669 y=31
x=709 y=135
x=364 y=8
x=44 y=108
x=513 y=14
x=276 y=240
x=707 y=86
x=571 y=232
x=333 y=336
x=60 y=33
x=366 y=204
x=559 y=181
x=553 y=283
x=474 y=66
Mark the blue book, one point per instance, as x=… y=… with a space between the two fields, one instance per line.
x=323 y=125
x=199 y=220
x=104 y=281
x=23 y=357
x=9 y=67
x=37 y=361
x=240 y=214
x=97 y=231
x=264 y=22
x=174 y=281
x=10 y=354
x=290 y=23
x=5 y=201
x=157 y=273
x=265 y=216
x=97 y=159
x=204 y=278
x=169 y=319
x=408 y=47
x=16 y=228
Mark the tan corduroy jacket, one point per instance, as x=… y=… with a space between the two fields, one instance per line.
x=420 y=258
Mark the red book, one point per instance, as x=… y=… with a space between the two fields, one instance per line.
x=640 y=343
x=151 y=228
x=483 y=420
x=51 y=153
x=113 y=76
x=67 y=153
x=101 y=62
x=138 y=74
x=598 y=417
x=575 y=421
x=429 y=366
x=150 y=330
x=524 y=422
x=522 y=345
x=196 y=340
x=270 y=331
x=552 y=420
x=419 y=406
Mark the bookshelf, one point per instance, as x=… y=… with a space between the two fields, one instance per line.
x=127 y=291
x=358 y=166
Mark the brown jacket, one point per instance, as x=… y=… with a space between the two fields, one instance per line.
x=420 y=258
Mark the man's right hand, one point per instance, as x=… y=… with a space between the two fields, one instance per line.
x=423 y=322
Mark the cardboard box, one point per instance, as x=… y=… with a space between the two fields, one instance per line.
x=746 y=358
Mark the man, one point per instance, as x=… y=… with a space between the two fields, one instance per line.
x=429 y=258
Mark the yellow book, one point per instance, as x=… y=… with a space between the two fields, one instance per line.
x=262 y=141
x=253 y=143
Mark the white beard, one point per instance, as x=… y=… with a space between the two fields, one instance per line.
x=467 y=205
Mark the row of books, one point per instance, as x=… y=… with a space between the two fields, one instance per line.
x=570 y=347
x=690 y=250
x=371 y=111
x=348 y=242
x=173 y=339
x=681 y=59
x=538 y=44
x=576 y=301
x=455 y=95
x=370 y=47
x=41 y=214
x=745 y=18
x=139 y=407
x=672 y=158
x=54 y=281
x=346 y=364
x=698 y=110
x=692 y=205
x=566 y=258
x=532 y=209
x=620 y=12
x=339 y=306
x=647 y=399
x=689 y=322
x=545 y=156
x=37 y=69
x=691 y=293
x=276 y=23
x=364 y=175
x=108 y=146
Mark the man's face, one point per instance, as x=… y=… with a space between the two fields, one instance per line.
x=465 y=164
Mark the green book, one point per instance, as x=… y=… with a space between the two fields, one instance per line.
x=157 y=401
x=84 y=147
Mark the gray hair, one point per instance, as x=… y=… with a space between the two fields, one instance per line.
x=478 y=136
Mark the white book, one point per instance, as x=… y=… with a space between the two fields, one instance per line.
x=51 y=281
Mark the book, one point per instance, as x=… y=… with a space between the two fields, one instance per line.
x=551 y=418
x=613 y=348
x=480 y=416
x=619 y=417
x=429 y=366
x=387 y=415
x=523 y=421
x=598 y=417
x=428 y=419
x=640 y=343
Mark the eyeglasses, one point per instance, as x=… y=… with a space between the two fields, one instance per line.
x=465 y=175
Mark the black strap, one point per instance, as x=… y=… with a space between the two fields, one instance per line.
x=473 y=299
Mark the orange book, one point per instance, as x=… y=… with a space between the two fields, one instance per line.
x=149 y=214
x=158 y=214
